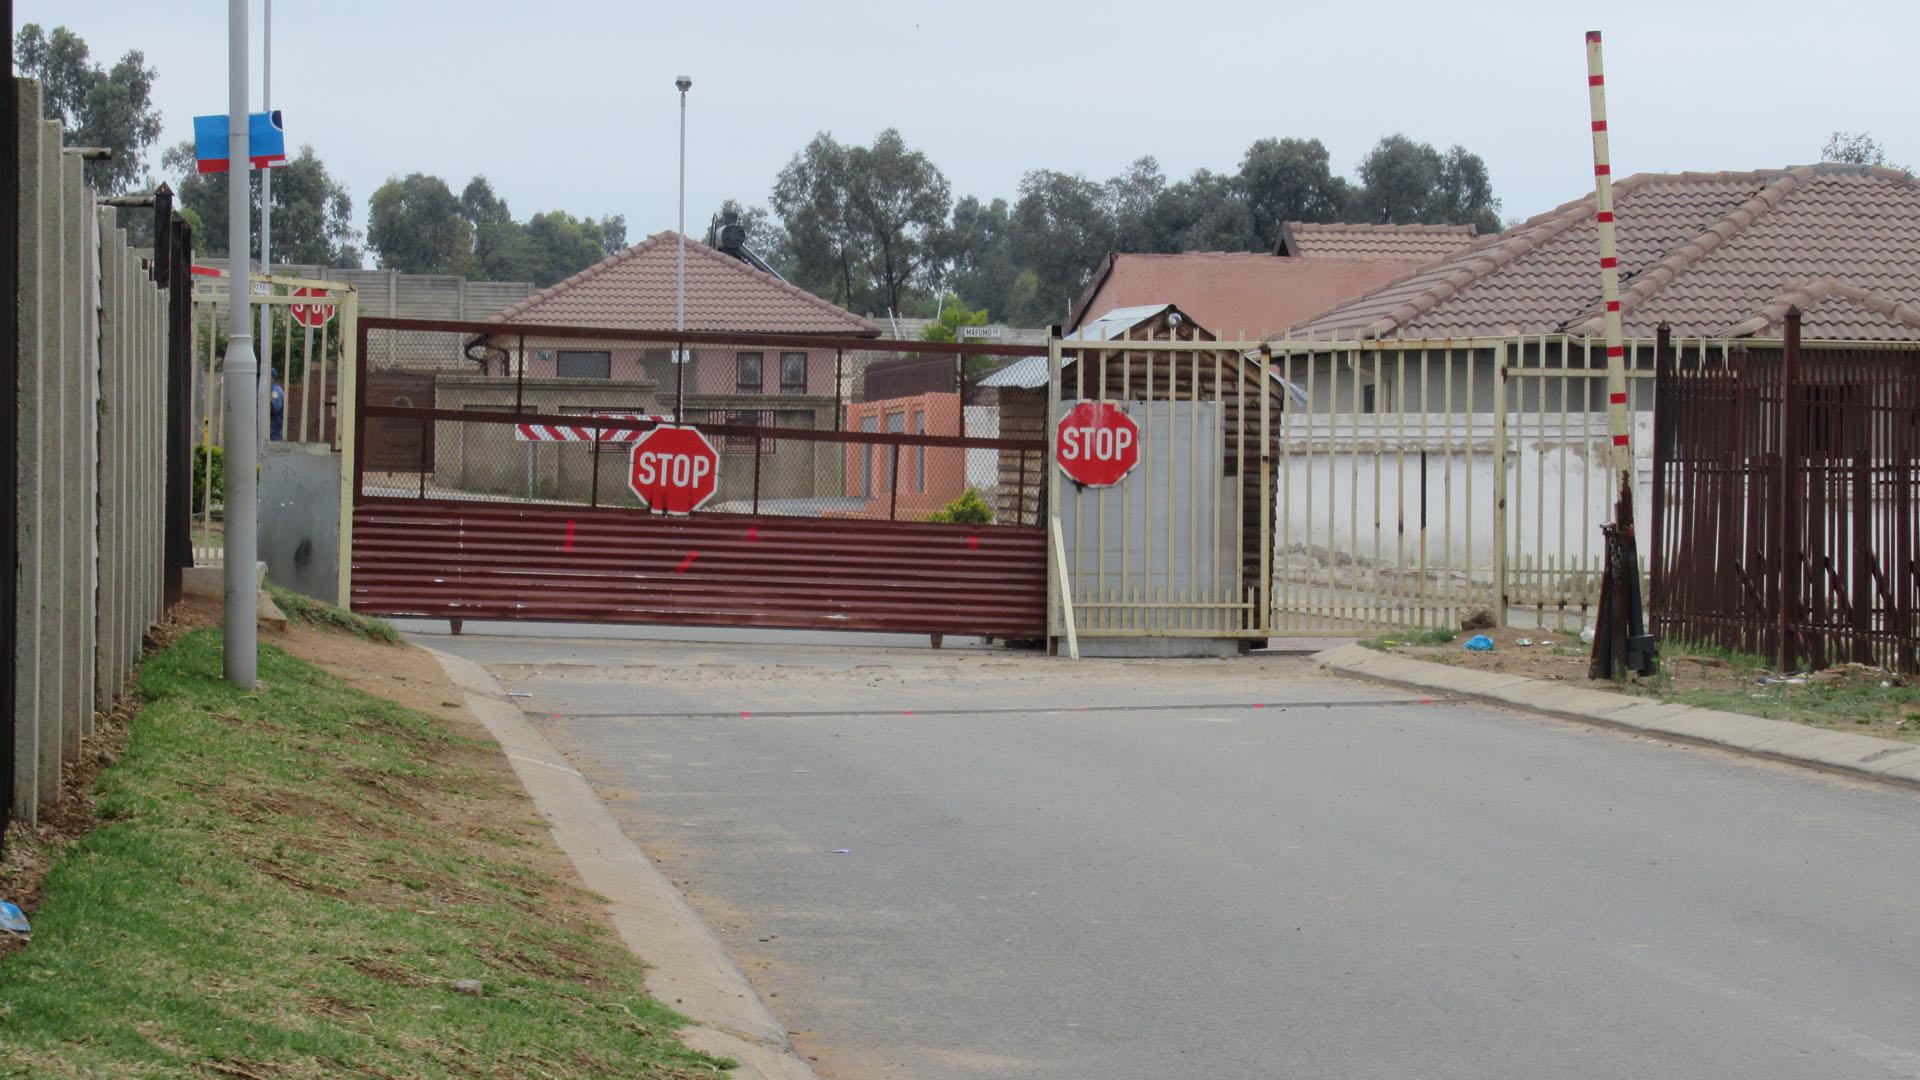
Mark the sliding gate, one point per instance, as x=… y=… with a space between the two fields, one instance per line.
x=492 y=479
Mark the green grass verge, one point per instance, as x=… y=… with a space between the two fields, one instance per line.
x=301 y=608
x=280 y=885
x=1441 y=636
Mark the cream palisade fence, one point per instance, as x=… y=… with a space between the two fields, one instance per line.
x=1407 y=483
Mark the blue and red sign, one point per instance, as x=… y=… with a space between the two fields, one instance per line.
x=266 y=141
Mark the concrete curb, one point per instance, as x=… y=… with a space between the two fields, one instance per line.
x=1781 y=740
x=687 y=967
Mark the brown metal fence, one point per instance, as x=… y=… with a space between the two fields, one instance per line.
x=1785 y=516
x=829 y=504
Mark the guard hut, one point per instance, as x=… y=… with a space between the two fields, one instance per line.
x=1176 y=550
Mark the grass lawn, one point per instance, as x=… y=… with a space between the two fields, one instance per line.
x=298 y=883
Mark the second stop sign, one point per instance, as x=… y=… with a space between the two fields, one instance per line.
x=1097 y=444
x=674 y=469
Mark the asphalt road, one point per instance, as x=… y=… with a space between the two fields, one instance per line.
x=966 y=864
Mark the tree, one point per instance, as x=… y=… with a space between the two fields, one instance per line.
x=1131 y=198
x=1406 y=182
x=556 y=245
x=1208 y=211
x=1398 y=177
x=98 y=107
x=982 y=271
x=1857 y=149
x=897 y=202
x=1289 y=180
x=499 y=247
x=810 y=195
x=870 y=219
x=312 y=212
x=953 y=316
x=1061 y=230
x=1464 y=195
x=418 y=226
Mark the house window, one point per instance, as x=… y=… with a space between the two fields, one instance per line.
x=896 y=425
x=744 y=444
x=571 y=364
x=747 y=375
x=920 y=453
x=868 y=424
x=793 y=373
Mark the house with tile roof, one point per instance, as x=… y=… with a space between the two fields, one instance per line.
x=1416 y=244
x=1253 y=294
x=1712 y=255
x=1718 y=258
x=637 y=290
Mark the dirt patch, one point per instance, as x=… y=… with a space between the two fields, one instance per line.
x=1848 y=697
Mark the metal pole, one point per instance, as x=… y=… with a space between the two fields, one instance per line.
x=1617 y=420
x=680 y=238
x=266 y=224
x=242 y=376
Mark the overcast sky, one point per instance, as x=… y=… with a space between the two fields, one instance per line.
x=569 y=104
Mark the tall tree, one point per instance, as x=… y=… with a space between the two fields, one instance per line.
x=98 y=106
x=1131 y=198
x=867 y=223
x=1061 y=230
x=810 y=195
x=1407 y=182
x=1208 y=211
x=1464 y=195
x=312 y=212
x=1289 y=180
x=417 y=225
x=983 y=271
x=1398 y=177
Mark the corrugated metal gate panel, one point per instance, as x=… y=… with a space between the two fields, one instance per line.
x=449 y=559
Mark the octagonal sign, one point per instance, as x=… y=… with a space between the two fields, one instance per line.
x=310 y=314
x=1096 y=444
x=674 y=469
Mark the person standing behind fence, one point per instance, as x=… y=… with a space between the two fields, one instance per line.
x=276 y=411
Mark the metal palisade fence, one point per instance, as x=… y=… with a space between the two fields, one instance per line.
x=307 y=349
x=1786 y=514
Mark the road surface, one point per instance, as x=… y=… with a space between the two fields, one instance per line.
x=974 y=863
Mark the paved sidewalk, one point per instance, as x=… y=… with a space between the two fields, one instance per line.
x=1782 y=740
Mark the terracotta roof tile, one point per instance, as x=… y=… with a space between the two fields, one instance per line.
x=1233 y=292
x=636 y=289
x=1385 y=243
x=1708 y=253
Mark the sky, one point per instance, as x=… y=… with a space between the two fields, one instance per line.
x=570 y=105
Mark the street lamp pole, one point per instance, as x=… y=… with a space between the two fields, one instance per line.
x=683 y=84
x=242 y=375
x=264 y=392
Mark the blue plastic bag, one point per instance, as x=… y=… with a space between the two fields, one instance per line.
x=12 y=920
x=1479 y=643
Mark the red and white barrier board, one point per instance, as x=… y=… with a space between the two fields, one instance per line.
x=583 y=432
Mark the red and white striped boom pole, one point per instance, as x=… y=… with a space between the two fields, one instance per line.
x=1618 y=425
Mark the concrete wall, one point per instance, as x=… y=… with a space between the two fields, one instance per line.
x=407 y=296
x=91 y=397
x=300 y=518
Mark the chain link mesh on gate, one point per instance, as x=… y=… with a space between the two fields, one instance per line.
x=889 y=431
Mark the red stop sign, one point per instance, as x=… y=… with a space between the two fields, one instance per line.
x=310 y=314
x=674 y=469
x=1097 y=444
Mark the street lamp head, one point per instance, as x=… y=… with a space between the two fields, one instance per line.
x=683 y=83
